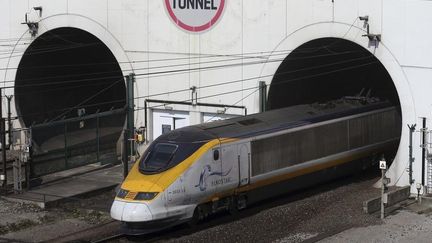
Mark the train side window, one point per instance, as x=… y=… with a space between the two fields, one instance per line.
x=216 y=154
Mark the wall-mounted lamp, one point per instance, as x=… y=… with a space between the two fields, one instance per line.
x=374 y=39
x=364 y=18
x=38 y=9
x=33 y=25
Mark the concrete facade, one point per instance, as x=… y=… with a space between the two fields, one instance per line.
x=139 y=32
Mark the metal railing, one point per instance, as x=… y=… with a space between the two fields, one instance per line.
x=76 y=142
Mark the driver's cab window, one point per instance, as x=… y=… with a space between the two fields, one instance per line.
x=160 y=156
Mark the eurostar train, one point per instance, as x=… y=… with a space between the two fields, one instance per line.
x=190 y=173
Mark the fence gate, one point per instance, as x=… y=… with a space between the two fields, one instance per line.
x=75 y=142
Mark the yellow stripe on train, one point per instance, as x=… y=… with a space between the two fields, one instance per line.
x=137 y=181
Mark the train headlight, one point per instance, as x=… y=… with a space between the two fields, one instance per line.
x=146 y=196
x=122 y=193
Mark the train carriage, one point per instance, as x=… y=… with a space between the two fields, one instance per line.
x=195 y=171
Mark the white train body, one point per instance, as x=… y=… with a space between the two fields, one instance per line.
x=202 y=182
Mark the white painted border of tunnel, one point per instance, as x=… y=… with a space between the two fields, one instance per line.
x=72 y=21
x=397 y=171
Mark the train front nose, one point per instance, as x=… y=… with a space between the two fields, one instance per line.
x=130 y=211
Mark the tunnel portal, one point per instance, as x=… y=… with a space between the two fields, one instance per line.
x=64 y=70
x=326 y=69
x=66 y=80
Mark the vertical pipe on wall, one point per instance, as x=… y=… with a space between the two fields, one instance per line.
x=262 y=96
x=145 y=120
x=424 y=144
x=3 y=141
x=9 y=117
x=411 y=158
x=129 y=131
x=131 y=111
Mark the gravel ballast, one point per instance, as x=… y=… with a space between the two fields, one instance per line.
x=331 y=212
x=316 y=212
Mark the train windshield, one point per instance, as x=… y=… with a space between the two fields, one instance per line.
x=159 y=158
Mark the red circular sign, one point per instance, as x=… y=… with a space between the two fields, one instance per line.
x=195 y=15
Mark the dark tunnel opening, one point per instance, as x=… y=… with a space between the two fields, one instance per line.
x=327 y=69
x=65 y=72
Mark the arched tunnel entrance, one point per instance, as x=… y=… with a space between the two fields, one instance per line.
x=328 y=69
x=66 y=74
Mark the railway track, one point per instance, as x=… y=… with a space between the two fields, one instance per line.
x=109 y=238
x=183 y=231
x=91 y=233
x=296 y=202
x=110 y=232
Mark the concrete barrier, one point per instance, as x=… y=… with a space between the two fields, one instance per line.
x=394 y=197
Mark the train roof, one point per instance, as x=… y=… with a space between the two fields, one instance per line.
x=272 y=121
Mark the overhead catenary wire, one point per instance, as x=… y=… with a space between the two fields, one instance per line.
x=165 y=66
x=14 y=39
x=208 y=86
x=46 y=51
x=50 y=90
x=87 y=99
x=190 y=55
x=202 y=55
x=105 y=77
x=202 y=87
x=260 y=76
x=208 y=67
x=207 y=55
x=175 y=59
x=149 y=74
x=236 y=64
x=280 y=82
x=187 y=55
x=71 y=107
x=45 y=37
x=235 y=103
x=209 y=96
x=197 y=64
x=68 y=109
x=127 y=70
x=203 y=97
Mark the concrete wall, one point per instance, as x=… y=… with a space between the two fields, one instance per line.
x=139 y=31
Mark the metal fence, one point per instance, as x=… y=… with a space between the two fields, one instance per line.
x=72 y=143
